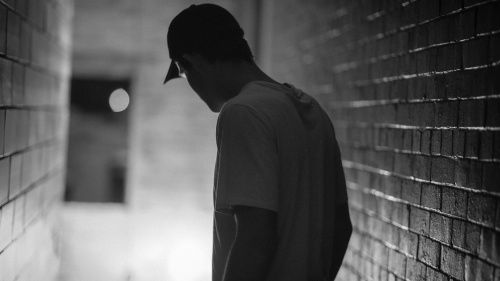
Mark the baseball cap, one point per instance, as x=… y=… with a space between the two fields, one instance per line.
x=198 y=28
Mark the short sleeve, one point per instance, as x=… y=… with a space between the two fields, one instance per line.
x=247 y=161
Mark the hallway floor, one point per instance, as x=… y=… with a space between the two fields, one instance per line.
x=110 y=242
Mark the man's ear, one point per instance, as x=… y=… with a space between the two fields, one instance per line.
x=196 y=60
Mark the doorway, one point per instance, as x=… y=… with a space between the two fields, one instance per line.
x=98 y=140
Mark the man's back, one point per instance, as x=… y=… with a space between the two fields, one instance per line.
x=277 y=151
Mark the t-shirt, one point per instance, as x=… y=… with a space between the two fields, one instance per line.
x=277 y=151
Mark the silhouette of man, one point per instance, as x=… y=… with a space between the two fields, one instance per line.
x=280 y=197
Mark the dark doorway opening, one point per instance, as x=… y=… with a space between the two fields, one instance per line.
x=98 y=140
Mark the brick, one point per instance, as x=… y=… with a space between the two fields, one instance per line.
x=32 y=205
x=7 y=215
x=490 y=245
x=472 y=237
x=481 y=208
x=4 y=179
x=399 y=89
x=408 y=64
x=448 y=6
x=426 y=114
x=427 y=9
x=463 y=25
x=392 y=186
x=458 y=233
x=468 y=173
x=440 y=228
x=456 y=85
x=408 y=242
x=447 y=142
x=425 y=64
x=477 y=270
x=443 y=170
x=497 y=223
x=407 y=139
x=454 y=201
x=2 y=131
x=393 y=234
x=492 y=113
x=446 y=114
x=27 y=169
x=17 y=84
x=449 y=57
x=403 y=164
x=5 y=82
x=409 y=14
x=382 y=90
x=15 y=175
x=410 y=191
x=397 y=262
x=400 y=214
x=494 y=51
x=459 y=142
x=34 y=118
x=18 y=224
x=3 y=29
x=419 y=220
x=428 y=251
x=23 y=129
x=452 y=262
x=435 y=275
x=468 y=3
x=431 y=196
x=416 y=136
x=426 y=142
x=395 y=138
x=435 y=142
x=13 y=34
x=440 y=85
x=25 y=41
x=486 y=145
x=439 y=31
x=491 y=177
x=415 y=270
x=416 y=88
x=369 y=202
x=472 y=143
x=10 y=131
x=489 y=21
x=475 y=52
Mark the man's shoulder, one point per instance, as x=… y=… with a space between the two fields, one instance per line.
x=258 y=96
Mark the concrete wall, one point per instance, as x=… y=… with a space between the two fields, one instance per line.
x=413 y=91
x=34 y=70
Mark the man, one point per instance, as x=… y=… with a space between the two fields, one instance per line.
x=280 y=198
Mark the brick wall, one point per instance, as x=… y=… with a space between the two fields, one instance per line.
x=413 y=89
x=34 y=64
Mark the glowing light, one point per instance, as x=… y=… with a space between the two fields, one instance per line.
x=119 y=100
x=189 y=260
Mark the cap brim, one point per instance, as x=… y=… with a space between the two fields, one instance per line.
x=173 y=72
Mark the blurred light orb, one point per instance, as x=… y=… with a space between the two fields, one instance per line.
x=119 y=100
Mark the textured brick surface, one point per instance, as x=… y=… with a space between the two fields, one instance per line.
x=413 y=93
x=29 y=187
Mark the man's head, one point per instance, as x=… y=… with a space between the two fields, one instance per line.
x=206 y=30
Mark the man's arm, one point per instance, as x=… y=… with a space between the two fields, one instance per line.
x=254 y=247
x=341 y=237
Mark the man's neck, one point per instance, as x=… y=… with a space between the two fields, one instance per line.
x=236 y=75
